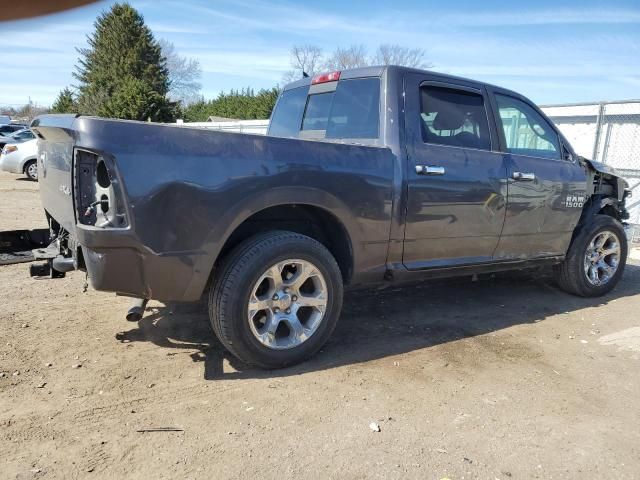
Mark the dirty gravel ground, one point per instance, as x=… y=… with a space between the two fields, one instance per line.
x=502 y=378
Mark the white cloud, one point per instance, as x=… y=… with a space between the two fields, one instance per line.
x=548 y=16
x=249 y=41
x=629 y=80
x=157 y=27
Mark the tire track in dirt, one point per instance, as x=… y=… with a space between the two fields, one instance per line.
x=185 y=396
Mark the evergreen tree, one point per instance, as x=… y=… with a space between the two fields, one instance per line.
x=244 y=105
x=123 y=73
x=65 y=102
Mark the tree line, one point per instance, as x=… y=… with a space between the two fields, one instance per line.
x=242 y=104
x=125 y=72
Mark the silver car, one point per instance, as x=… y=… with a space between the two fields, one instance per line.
x=19 y=154
x=8 y=129
x=17 y=136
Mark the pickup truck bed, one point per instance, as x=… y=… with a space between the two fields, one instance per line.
x=183 y=192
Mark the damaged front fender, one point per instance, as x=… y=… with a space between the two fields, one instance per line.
x=600 y=175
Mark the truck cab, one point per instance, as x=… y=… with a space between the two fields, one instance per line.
x=487 y=177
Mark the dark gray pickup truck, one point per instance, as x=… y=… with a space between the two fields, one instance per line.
x=369 y=175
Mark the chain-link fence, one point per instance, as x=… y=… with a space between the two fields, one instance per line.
x=608 y=132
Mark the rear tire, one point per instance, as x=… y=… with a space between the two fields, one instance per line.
x=31 y=170
x=276 y=299
x=592 y=269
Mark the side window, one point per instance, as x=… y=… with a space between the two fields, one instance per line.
x=454 y=117
x=24 y=135
x=525 y=130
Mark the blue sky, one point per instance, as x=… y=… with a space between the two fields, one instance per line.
x=551 y=51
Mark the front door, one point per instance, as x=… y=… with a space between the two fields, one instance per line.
x=456 y=181
x=546 y=189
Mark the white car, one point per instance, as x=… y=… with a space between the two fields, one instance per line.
x=21 y=157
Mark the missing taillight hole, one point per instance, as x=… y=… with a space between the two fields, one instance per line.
x=104 y=203
x=102 y=175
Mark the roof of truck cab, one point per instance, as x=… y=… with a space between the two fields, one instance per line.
x=377 y=71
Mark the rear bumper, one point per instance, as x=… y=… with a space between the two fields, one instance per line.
x=116 y=262
x=10 y=163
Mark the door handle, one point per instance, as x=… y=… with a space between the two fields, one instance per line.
x=429 y=170
x=524 y=177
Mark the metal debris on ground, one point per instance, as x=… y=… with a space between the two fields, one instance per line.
x=160 y=429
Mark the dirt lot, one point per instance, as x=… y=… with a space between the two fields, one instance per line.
x=501 y=378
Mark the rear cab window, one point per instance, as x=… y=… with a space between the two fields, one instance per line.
x=346 y=109
x=287 y=116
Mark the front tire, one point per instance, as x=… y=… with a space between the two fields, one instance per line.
x=31 y=170
x=596 y=258
x=276 y=299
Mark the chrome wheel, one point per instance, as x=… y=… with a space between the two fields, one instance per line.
x=32 y=171
x=287 y=304
x=602 y=258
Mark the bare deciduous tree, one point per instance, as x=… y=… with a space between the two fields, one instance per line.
x=389 y=54
x=184 y=74
x=304 y=58
x=351 y=57
x=309 y=58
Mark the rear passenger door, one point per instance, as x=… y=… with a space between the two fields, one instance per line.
x=546 y=186
x=456 y=179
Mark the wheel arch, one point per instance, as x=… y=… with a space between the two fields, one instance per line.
x=285 y=209
x=25 y=162
x=310 y=220
x=599 y=204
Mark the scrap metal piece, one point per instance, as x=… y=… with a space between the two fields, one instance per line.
x=16 y=245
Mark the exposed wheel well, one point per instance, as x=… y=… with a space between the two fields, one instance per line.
x=308 y=220
x=611 y=211
x=603 y=205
